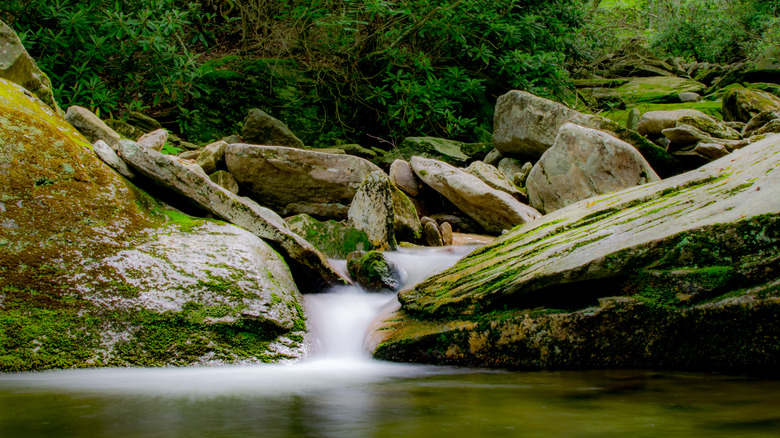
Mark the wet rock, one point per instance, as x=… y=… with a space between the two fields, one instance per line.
x=373 y=271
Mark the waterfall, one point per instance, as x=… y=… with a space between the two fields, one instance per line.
x=340 y=317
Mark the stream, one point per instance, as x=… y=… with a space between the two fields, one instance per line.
x=341 y=392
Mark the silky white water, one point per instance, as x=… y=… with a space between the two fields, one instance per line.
x=339 y=320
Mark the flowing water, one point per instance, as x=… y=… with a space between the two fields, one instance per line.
x=341 y=392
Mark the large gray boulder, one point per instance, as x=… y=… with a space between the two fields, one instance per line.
x=16 y=65
x=293 y=181
x=262 y=128
x=526 y=126
x=680 y=273
x=584 y=163
x=493 y=209
x=309 y=265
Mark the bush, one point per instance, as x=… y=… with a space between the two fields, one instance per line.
x=108 y=55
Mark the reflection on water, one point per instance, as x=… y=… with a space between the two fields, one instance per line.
x=340 y=392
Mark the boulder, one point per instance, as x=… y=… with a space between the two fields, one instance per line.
x=449 y=151
x=373 y=271
x=687 y=97
x=680 y=273
x=525 y=125
x=225 y=180
x=94 y=272
x=584 y=163
x=334 y=239
x=446 y=233
x=310 y=267
x=683 y=135
x=263 y=129
x=358 y=151
x=109 y=156
x=493 y=157
x=492 y=177
x=212 y=157
x=142 y=122
x=652 y=123
x=91 y=127
x=713 y=128
x=124 y=129
x=742 y=104
x=632 y=122
x=293 y=181
x=493 y=209
x=402 y=175
x=383 y=212
x=154 y=140
x=17 y=66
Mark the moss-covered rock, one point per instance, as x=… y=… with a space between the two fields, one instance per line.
x=449 y=151
x=658 y=89
x=694 y=259
x=17 y=66
x=333 y=238
x=742 y=104
x=92 y=269
x=373 y=271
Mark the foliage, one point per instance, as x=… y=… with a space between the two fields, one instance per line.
x=106 y=54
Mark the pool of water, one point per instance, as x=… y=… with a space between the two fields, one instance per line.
x=341 y=392
x=332 y=398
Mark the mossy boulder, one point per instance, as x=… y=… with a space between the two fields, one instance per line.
x=333 y=238
x=659 y=89
x=693 y=258
x=373 y=271
x=742 y=104
x=94 y=272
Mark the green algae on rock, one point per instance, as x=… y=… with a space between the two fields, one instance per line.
x=692 y=259
x=91 y=272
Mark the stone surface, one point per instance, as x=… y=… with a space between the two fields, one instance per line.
x=633 y=119
x=713 y=128
x=687 y=135
x=448 y=151
x=758 y=121
x=689 y=97
x=493 y=209
x=154 y=140
x=680 y=273
x=94 y=272
x=372 y=271
x=263 y=129
x=310 y=267
x=492 y=177
x=402 y=175
x=742 y=104
x=657 y=89
x=212 y=157
x=431 y=233
x=493 y=157
x=446 y=233
x=525 y=125
x=334 y=239
x=584 y=163
x=17 y=66
x=293 y=181
x=124 y=129
x=143 y=122
x=383 y=212
x=91 y=127
x=652 y=123
x=224 y=179
x=109 y=156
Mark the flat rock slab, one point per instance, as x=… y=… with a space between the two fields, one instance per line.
x=309 y=265
x=493 y=209
x=292 y=181
x=723 y=216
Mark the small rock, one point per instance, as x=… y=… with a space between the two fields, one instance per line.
x=373 y=271
x=402 y=175
x=633 y=119
x=109 y=156
x=91 y=127
x=212 y=157
x=431 y=233
x=686 y=97
x=446 y=233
